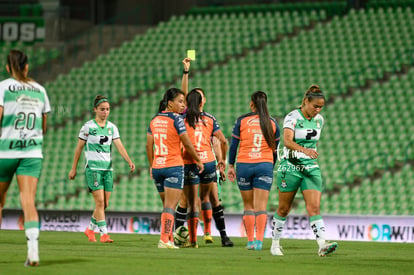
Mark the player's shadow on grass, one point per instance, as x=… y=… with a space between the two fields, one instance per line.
x=48 y=262
x=63 y=261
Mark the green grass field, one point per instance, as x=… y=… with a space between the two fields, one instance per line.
x=71 y=253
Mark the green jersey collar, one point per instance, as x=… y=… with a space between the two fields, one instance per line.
x=300 y=112
x=106 y=123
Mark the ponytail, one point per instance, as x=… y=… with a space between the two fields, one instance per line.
x=17 y=60
x=259 y=100
x=313 y=92
x=193 y=113
x=169 y=95
x=163 y=104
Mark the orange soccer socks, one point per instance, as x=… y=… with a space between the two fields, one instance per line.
x=192 y=226
x=261 y=220
x=167 y=223
x=248 y=221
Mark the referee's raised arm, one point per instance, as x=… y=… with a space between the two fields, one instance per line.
x=184 y=81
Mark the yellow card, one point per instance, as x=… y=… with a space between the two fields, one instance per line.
x=191 y=54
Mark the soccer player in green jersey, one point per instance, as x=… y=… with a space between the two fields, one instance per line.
x=98 y=135
x=23 y=110
x=299 y=169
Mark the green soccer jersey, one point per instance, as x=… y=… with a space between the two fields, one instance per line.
x=98 y=144
x=306 y=134
x=21 y=125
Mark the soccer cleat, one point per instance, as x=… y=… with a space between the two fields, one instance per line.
x=90 y=234
x=106 y=239
x=187 y=244
x=327 y=248
x=250 y=245
x=32 y=256
x=258 y=245
x=208 y=238
x=226 y=242
x=276 y=249
x=31 y=263
x=168 y=245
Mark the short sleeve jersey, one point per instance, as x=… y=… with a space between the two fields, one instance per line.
x=201 y=138
x=253 y=147
x=166 y=129
x=98 y=144
x=21 y=126
x=306 y=134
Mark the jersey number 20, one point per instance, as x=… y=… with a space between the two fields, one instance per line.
x=24 y=120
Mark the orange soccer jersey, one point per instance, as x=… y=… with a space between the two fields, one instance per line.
x=253 y=147
x=166 y=128
x=201 y=138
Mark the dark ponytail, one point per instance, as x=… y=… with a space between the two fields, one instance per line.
x=17 y=60
x=169 y=95
x=193 y=113
x=313 y=92
x=259 y=100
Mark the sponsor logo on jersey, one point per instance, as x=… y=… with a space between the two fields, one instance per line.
x=160 y=122
x=18 y=88
x=181 y=124
x=202 y=155
x=253 y=121
x=283 y=184
x=255 y=155
x=27 y=100
x=21 y=144
x=22 y=135
x=103 y=139
x=318 y=124
x=109 y=131
x=160 y=160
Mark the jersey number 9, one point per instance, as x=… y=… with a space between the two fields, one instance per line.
x=257 y=141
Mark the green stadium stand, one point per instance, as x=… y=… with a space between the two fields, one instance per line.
x=389 y=195
x=153 y=58
x=38 y=56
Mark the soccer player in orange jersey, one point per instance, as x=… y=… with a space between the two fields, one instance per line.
x=201 y=127
x=164 y=137
x=204 y=133
x=257 y=135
